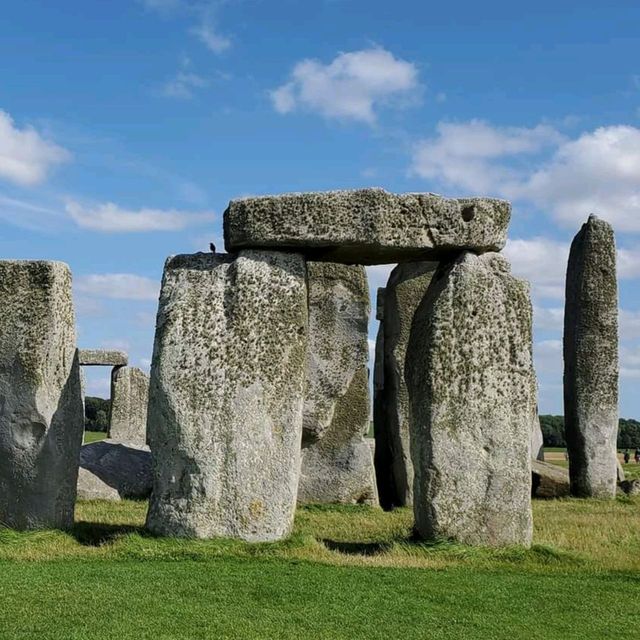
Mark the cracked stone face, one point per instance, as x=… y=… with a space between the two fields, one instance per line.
x=367 y=226
x=337 y=466
x=129 y=400
x=591 y=361
x=472 y=393
x=226 y=394
x=41 y=416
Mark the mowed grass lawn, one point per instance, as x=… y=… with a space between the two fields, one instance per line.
x=347 y=572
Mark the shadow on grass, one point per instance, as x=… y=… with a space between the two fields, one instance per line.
x=96 y=534
x=357 y=548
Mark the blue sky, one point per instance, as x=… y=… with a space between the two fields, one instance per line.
x=127 y=126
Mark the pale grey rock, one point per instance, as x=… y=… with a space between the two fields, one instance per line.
x=226 y=395
x=366 y=226
x=91 y=487
x=631 y=487
x=472 y=390
x=537 y=440
x=591 y=361
x=407 y=286
x=124 y=467
x=548 y=480
x=41 y=420
x=619 y=471
x=102 y=358
x=129 y=399
x=337 y=466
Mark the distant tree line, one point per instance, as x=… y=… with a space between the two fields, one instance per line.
x=96 y=414
x=553 y=432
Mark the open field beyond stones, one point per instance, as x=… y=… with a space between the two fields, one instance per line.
x=346 y=572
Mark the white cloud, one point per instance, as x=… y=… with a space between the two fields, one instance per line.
x=209 y=35
x=111 y=218
x=120 y=286
x=629 y=324
x=548 y=356
x=629 y=263
x=548 y=318
x=597 y=172
x=26 y=158
x=351 y=87
x=630 y=362
x=182 y=85
x=541 y=261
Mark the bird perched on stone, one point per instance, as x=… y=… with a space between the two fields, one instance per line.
x=212 y=247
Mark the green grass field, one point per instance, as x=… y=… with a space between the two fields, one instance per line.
x=347 y=572
x=93 y=436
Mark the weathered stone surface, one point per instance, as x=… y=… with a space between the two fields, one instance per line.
x=472 y=390
x=337 y=465
x=620 y=471
x=91 y=487
x=631 y=487
x=537 y=440
x=366 y=226
x=129 y=399
x=124 y=467
x=407 y=286
x=226 y=395
x=548 y=480
x=591 y=361
x=41 y=420
x=102 y=358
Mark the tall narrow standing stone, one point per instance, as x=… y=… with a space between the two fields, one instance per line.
x=407 y=286
x=226 y=393
x=41 y=419
x=337 y=465
x=129 y=399
x=591 y=361
x=472 y=389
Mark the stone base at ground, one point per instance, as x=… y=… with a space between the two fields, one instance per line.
x=124 y=467
x=548 y=480
x=366 y=226
x=473 y=394
x=226 y=395
x=129 y=399
x=41 y=419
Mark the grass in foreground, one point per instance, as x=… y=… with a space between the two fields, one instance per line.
x=347 y=572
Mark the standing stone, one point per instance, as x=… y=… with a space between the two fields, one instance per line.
x=226 y=394
x=407 y=286
x=366 y=226
x=337 y=465
x=129 y=399
x=537 y=440
x=472 y=390
x=591 y=361
x=41 y=421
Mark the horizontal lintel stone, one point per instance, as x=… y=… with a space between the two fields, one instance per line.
x=102 y=358
x=367 y=226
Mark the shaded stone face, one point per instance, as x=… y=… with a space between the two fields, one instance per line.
x=591 y=361
x=41 y=417
x=367 y=226
x=129 y=399
x=407 y=286
x=472 y=391
x=537 y=440
x=102 y=358
x=226 y=393
x=337 y=465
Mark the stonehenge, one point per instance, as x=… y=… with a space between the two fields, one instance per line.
x=591 y=361
x=366 y=226
x=337 y=465
x=473 y=394
x=129 y=399
x=41 y=419
x=226 y=395
x=102 y=358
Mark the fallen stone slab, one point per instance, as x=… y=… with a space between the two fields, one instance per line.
x=548 y=480
x=407 y=286
x=124 y=467
x=102 y=358
x=226 y=395
x=591 y=361
x=337 y=465
x=41 y=418
x=366 y=226
x=129 y=399
x=472 y=389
